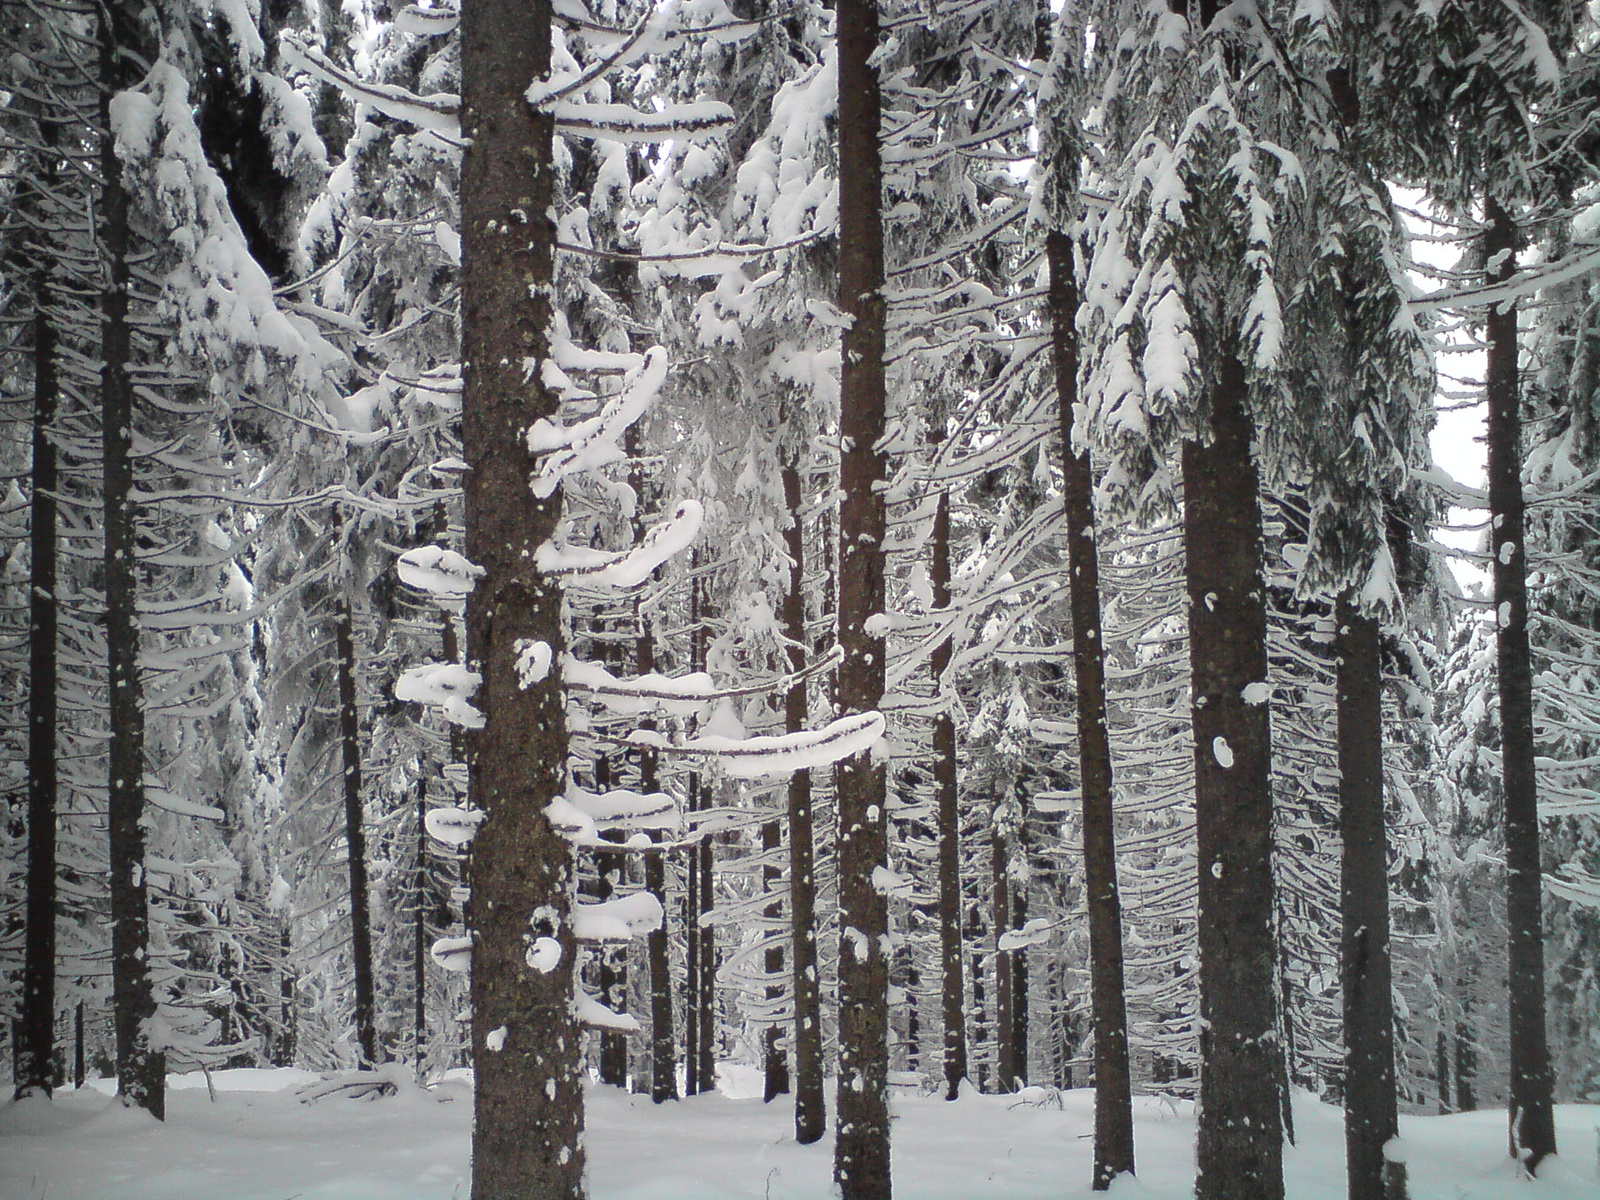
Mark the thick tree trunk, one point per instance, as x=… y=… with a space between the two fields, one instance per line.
x=141 y=1068
x=355 y=834
x=1370 y=1113
x=37 y=1027
x=1533 y=1130
x=1239 y=1153
x=1113 y=1089
x=952 y=986
x=810 y=1114
x=861 y=1151
x=527 y=1130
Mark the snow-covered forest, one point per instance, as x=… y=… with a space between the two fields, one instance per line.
x=883 y=558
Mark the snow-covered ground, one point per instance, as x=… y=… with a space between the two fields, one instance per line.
x=257 y=1141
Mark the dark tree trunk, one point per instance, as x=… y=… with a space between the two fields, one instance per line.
x=694 y=940
x=775 y=1060
x=952 y=986
x=1113 y=1089
x=706 y=854
x=1466 y=1057
x=663 y=1040
x=283 y=1051
x=419 y=948
x=861 y=1151
x=141 y=1068
x=1005 y=1048
x=355 y=834
x=527 y=1132
x=1239 y=1153
x=691 y=926
x=1370 y=1108
x=810 y=1114
x=1532 y=1116
x=612 y=972
x=1019 y=971
x=36 y=1029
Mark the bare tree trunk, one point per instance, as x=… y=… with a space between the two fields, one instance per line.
x=952 y=986
x=1532 y=1116
x=663 y=1040
x=775 y=1061
x=702 y=860
x=861 y=1150
x=1113 y=1089
x=419 y=948
x=810 y=1113
x=355 y=832
x=1005 y=1049
x=691 y=926
x=693 y=1085
x=1240 y=1144
x=1371 y=1116
x=527 y=1132
x=141 y=1067
x=37 y=1028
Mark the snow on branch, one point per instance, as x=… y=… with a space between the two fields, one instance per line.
x=595 y=443
x=439 y=113
x=1575 y=885
x=693 y=121
x=645 y=38
x=780 y=754
x=427 y=22
x=677 y=695
x=443 y=574
x=624 y=568
x=1583 y=261
x=445 y=686
x=617 y=920
x=597 y=1016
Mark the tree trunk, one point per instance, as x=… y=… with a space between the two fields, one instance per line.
x=419 y=948
x=37 y=1027
x=1005 y=1049
x=663 y=1040
x=952 y=987
x=861 y=1151
x=693 y=940
x=810 y=1112
x=355 y=832
x=1370 y=1111
x=1113 y=1089
x=141 y=1067
x=527 y=1132
x=1532 y=1116
x=702 y=861
x=1239 y=1153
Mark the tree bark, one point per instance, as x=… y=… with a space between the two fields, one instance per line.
x=419 y=947
x=37 y=1027
x=1113 y=1089
x=355 y=834
x=527 y=1131
x=663 y=1040
x=861 y=1149
x=810 y=1112
x=1005 y=1049
x=952 y=986
x=141 y=1067
x=1532 y=1116
x=1370 y=1108
x=1239 y=1153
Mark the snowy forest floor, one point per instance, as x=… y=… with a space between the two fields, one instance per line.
x=257 y=1141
